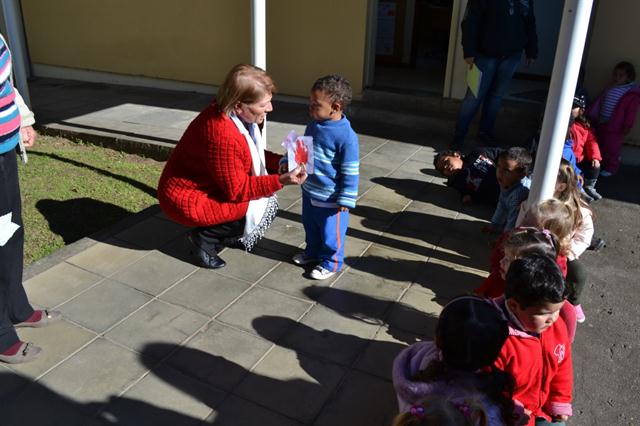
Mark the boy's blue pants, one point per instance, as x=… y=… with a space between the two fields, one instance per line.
x=325 y=229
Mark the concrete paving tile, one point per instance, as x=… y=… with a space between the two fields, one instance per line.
x=410 y=223
x=377 y=358
x=162 y=117
x=154 y=273
x=447 y=280
x=164 y=397
x=99 y=371
x=205 y=291
x=106 y=258
x=398 y=149
x=296 y=208
x=392 y=265
x=353 y=403
x=103 y=305
x=385 y=198
x=325 y=333
x=11 y=384
x=362 y=296
x=152 y=233
x=157 y=322
x=379 y=160
x=59 y=284
x=421 y=244
x=237 y=411
x=369 y=143
x=220 y=356
x=290 y=383
x=262 y=302
x=283 y=238
x=249 y=267
x=43 y=406
x=417 y=312
x=472 y=253
x=290 y=279
x=58 y=341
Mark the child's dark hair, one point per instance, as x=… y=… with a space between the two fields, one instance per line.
x=336 y=87
x=533 y=280
x=628 y=68
x=520 y=155
x=470 y=333
x=527 y=241
x=445 y=153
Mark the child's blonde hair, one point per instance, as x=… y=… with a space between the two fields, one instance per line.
x=554 y=215
x=571 y=194
x=437 y=410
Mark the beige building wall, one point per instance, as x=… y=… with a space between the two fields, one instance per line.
x=195 y=41
x=309 y=39
x=614 y=38
x=198 y=41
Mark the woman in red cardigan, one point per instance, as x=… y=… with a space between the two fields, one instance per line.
x=217 y=179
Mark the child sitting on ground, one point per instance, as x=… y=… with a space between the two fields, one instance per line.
x=582 y=233
x=541 y=365
x=585 y=147
x=469 y=334
x=614 y=113
x=436 y=410
x=512 y=175
x=329 y=193
x=473 y=175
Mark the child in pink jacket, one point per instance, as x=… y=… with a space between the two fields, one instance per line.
x=615 y=111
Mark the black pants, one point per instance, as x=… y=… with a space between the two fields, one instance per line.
x=14 y=305
x=576 y=280
x=213 y=238
x=588 y=171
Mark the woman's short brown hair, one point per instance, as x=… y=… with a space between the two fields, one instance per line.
x=246 y=84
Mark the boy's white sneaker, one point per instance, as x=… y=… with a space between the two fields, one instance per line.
x=302 y=259
x=320 y=273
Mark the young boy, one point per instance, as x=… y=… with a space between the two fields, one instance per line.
x=512 y=175
x=473 y=175
x=329 y=193
x=537 y=352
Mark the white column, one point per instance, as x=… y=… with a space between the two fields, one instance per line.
x=259 y=33
x=566 y=67
x=15 y=38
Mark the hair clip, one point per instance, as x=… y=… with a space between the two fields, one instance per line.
x=549 y=236
x=417 y=411
x=464 y=409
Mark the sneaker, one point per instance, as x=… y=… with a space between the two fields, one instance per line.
x=586 y=197
x=597 y=244
x=580 y=314
x=303 y=259
x=605 y=173
x=591 y=192
x=320 y=273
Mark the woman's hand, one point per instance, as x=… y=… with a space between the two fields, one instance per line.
x=296 y=176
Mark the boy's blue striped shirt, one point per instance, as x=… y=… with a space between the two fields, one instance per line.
x=336 y=160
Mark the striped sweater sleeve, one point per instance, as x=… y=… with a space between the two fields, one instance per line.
x=349 y=171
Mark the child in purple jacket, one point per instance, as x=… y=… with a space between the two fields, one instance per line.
x=614 y=113
x=458 y=364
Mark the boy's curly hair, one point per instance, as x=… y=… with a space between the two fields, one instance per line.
x=336 y=87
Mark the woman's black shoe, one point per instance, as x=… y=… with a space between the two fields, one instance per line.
x=204 y=259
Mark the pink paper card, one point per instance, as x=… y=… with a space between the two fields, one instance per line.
x=299 y=151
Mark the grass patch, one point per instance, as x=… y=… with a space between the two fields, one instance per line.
x=73 y=189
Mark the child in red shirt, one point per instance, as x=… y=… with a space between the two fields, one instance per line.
x=537 y=352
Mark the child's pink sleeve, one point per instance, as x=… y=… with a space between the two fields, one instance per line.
x=560 y=392
x=631 y=112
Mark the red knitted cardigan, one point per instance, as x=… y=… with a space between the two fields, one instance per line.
x=208 y=179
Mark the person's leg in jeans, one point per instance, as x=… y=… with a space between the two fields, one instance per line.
x=14 y=305
x=576 y=280
x=312 y=230
x=470 y=103
x=334 y=230
x=504 y=71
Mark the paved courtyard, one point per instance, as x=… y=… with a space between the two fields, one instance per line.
x=150 y=339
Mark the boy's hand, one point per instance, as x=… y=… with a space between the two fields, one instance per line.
x=467 y=199
x=343 y=209
x=595 y=164
x=561 y=418
x=28 y=136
